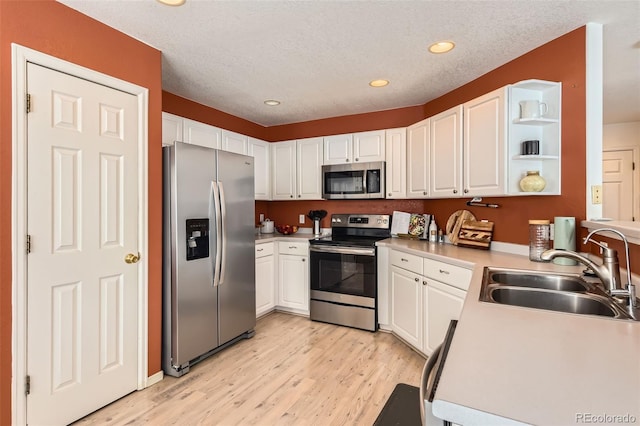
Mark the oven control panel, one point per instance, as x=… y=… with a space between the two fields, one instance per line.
x=382 y=221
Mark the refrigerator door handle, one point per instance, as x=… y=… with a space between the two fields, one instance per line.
x=223 y=218
x=216 y=207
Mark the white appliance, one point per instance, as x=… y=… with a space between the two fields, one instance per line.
x=208 y=253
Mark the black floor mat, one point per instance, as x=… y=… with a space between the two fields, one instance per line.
x=402 y=408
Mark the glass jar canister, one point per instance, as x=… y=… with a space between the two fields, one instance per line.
x=539 y=239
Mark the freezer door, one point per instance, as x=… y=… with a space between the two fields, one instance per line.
x=236 y=288
x=194 y=301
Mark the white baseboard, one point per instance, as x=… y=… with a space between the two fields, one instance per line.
x=155 y=378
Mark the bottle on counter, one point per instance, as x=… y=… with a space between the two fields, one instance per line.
x=440 y=236
x=433 y=231
x=539 y=239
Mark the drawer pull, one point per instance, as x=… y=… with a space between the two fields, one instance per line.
x=293 y=247
x=403 y=259
x=442 y=271
x=259 y=249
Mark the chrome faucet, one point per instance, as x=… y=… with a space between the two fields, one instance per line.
x=609 y=271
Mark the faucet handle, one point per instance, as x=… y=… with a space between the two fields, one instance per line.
x=606 y=250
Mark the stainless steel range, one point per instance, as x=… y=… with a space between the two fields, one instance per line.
x=344 y=271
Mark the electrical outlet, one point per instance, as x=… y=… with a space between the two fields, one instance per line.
x=301 y=219
x=261 y=217
x=596 y=194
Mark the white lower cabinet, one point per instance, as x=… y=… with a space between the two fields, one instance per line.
x=406 y=306
x=425 y=295
x=293 y=277
x=265 y=279
x=442 y=303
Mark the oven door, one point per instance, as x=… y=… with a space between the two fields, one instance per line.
x=345 y=275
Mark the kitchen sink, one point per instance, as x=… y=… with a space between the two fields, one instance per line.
x=573 y=303
x=540 y=280
x=548 y=291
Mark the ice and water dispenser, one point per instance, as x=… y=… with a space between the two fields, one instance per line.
x=197 y=238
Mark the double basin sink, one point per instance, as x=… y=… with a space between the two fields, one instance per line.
x=550 y=291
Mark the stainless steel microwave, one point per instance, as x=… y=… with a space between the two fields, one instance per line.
x=353 y=181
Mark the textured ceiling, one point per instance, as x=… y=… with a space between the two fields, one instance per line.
x=317 y=57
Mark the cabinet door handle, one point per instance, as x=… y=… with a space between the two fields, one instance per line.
x=442 y=271
x=455 y=191
x=417 y=279
x=299 y=195
x=424 y=282
x=466 y=191
x=303 y=259
x=357 y=159
x=291 y=196
x=389 y=194
x=424 y=192
x=346 y=159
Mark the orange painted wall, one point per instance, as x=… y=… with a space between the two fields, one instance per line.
x=186 y=108
x=52 y=28
x=562 y=59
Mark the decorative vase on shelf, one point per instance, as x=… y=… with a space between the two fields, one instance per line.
x=532 y=182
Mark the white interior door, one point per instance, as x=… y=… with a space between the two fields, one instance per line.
x=617 y=184
x=82 y=220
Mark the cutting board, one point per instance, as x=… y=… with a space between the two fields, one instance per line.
x=455 y=223
x=475 y=234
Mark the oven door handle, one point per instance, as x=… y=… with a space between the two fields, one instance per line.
x=344 y=250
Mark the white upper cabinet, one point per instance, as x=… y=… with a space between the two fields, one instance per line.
x=369 y=146
x=356 y=147
x=396 y=154
x=234 y=142
x=283 y=170
x=261 y=153
x=201 y=134
x=338 y=149
x=309 y=154
x=445 y=171
x=171 y=129
x=485 y=130
x=418 y=160
x=544 y=127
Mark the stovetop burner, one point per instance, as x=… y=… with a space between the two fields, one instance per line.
x=356 y=230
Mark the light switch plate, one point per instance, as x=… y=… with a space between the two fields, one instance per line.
x=301 y=219
x=261 y=217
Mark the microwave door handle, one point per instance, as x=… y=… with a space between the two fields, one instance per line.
x=364 y=181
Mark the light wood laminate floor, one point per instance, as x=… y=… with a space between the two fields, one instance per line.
x=292 y=372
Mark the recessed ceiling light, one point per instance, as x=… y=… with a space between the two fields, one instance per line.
x=378 y=83
x=172 y=2
x=441 y=47
x=272 y=102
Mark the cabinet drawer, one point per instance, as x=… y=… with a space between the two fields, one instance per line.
x=264 y=249
x=290 y=247
x=447 y=273
x=406 y=261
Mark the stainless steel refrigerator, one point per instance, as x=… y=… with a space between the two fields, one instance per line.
x=209 y=299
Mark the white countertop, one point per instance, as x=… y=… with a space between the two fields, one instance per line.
x=528 y=365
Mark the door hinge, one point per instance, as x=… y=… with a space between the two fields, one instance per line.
x=28 y=244
x=28 y=102
x=27 y=385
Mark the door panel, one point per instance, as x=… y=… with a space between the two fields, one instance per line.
x=617 y=179
x=82 y=298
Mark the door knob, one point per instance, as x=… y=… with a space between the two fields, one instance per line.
x=132 y=258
